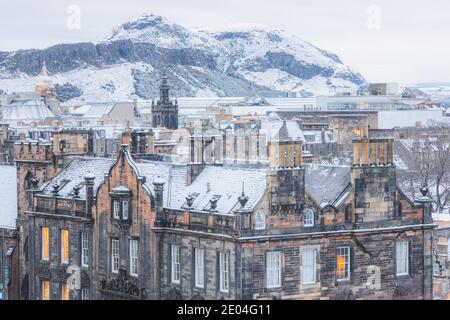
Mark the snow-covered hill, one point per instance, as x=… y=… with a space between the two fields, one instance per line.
x=239 y=61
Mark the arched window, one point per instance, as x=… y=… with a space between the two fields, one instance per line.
x=260 y=221
x=308 y=218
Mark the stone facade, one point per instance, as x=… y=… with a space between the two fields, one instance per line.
x=263 y=233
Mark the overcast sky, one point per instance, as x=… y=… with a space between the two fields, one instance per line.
x=403 y=41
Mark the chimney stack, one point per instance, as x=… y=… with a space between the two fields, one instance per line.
x=89 y=184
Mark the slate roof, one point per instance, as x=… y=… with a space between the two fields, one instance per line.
x=326 y=183
x=74 y=173
x=225 y=182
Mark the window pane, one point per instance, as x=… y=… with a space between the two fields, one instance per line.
x=45 y=290
x=65 y=246
x=309 y=266
x=273 y=269
x=402 y=258
x=116 y=209
x=223 y=257
x=175 y=264
x=115 y=255
x=84 y=294
x=343 y=263
x=84 y=249
x=125 y=209
x=65 y=292
x=260 y=221
x=45 y=243
x=134 y=257
x=199 y=267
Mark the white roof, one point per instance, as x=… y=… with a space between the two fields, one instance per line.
x=8 y=196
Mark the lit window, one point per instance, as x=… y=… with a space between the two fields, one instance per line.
x=309 y=266
x=260 y=221
x=125 y=210
x=84 y=294
x=45 y=232
x=175 y=254
x=45 y=290
x=115 y=255
x=308 y=218
x=199 y=267
x=343 y=264
x=65 y=292
x=116 y=210
x=273 y=269
x=134 y=257
x=64 y=246
x=402 y=252
x=223 y=276
x=84 y=249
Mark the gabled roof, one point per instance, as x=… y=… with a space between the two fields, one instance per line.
x=74 y=173
x=326 y=184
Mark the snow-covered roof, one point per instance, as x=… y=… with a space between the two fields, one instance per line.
x=26 y=110
x=8 y=196
x=325 y=184
x=98 y=110
x=226 y=184
x=74 y=173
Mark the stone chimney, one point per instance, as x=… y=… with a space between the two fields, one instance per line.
x=373 y=176
x=89 y=184
x=159 y=196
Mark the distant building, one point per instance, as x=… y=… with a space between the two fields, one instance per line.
x=165 y=111
x=384 y=89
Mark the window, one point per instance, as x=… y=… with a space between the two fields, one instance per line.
x=175 y=251
x=115 y=255
x=45 y=290
x=125 y=209
x=84 y=249
x=223 y=274
x=134 y=257
x=64 y=246
x=308 y=218
x=448 y=249
x=309 y=266
x=64 y=292
x=45 y=234
x=84 y=294
x=343 y=264
x=260 y=221
x=273 y=269
x=116 y=210
x=402 y=253
x=199 y=267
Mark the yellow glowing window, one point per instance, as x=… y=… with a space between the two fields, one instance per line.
x=65 y=246
x=343 y=264
x=45 y=233
x=45 y=290
x=64 y=292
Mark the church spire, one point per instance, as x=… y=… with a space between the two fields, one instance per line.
x=164 y=90
x=44 y=71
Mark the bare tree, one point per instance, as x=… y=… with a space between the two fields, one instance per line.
x=431 y=159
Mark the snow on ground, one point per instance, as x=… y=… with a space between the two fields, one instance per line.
x=8 y=196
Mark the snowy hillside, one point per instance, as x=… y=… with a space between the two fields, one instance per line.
x=237 y=61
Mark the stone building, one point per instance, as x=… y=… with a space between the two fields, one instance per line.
x=126 y=229
x=165 y=111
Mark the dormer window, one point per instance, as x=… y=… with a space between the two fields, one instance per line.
x=120 y=204
x=308 y=218
x=260 y=221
